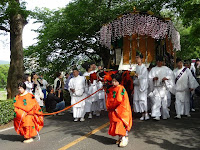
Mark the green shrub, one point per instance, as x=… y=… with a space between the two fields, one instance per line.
x=6 y=111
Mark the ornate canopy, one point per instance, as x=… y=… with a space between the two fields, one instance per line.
x=142 y=24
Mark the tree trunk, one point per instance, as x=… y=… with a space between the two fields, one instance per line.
x=16 y=70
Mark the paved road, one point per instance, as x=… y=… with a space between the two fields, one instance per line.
x=60 y=131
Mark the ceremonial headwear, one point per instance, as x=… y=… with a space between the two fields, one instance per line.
x=92 y=62
x=75 y=68
x=159 y=58
x=178 y=60
x=139 y=54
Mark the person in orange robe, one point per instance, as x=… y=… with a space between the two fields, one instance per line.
x=119 y=109
x=28 y=119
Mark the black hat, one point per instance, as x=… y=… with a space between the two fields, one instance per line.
x=75 y=68
x=86 y=65
x=139 y=54
x=92 y=62
x=178 y=60
x=117 y=76
x=197 y=59
x=159 y=58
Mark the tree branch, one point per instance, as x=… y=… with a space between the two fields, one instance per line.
x=4 y=29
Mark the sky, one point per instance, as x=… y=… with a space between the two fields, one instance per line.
x=29 y=35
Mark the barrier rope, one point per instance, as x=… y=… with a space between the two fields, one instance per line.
x=47 y=114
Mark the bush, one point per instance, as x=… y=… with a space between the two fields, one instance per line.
x=6 y=111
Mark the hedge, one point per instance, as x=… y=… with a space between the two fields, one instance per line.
x=6 y=111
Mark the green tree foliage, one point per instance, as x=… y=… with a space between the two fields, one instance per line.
x=73 y=30
x=3 y=75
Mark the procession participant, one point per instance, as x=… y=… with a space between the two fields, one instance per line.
x=149 y=102
x=197 y=68
x=119 y=111
x=184 y=84
x=101 y=93
x=28 y=119
x=37 y=91
x=161 y=80
x=88 y=102
x=93 y=78
x=188 y=65
x=77 y=92
x=140 y=88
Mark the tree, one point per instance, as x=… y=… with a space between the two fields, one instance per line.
x=72 y=31
x=13 y=20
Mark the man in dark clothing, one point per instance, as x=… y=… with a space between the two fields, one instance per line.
x=53 y=102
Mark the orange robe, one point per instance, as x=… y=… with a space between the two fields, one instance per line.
x=119 y=109
x=28 y=119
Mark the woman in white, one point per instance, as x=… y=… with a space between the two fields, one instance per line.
x=29 y=84
x=37 y=91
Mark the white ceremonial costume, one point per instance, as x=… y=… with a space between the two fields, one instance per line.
x=88 y=101
x=101 y=96
x=94 y=98
x=182 y=90
x=140 y=89
x=78 y=84
x=159 y=90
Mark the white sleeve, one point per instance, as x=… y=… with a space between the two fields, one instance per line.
x=29 y=85
x=143 y=79
x=151 y=76
x=193 y=84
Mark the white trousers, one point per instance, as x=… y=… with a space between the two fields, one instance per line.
x=78 y=112
x=159 y=107
x=182 y=103
x=140 y=106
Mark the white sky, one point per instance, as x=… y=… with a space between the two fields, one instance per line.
x=28 y=35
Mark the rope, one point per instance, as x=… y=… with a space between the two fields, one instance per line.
x=47 y=114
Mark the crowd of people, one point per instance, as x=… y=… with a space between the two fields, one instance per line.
x=151 y=96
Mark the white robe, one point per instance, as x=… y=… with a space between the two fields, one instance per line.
x=78 y=84
x=140 y=89
x=94 y=98
x=159 y=90
x=101 y=96
x=88 y=89
x=182 y=92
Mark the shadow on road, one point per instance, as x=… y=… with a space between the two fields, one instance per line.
x=13 y=138
x=170 y=134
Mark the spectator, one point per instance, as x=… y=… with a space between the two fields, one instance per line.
x=29 y=84
x=44 y=87
x=37 y=91
x=58 y=85
x=53 y=102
